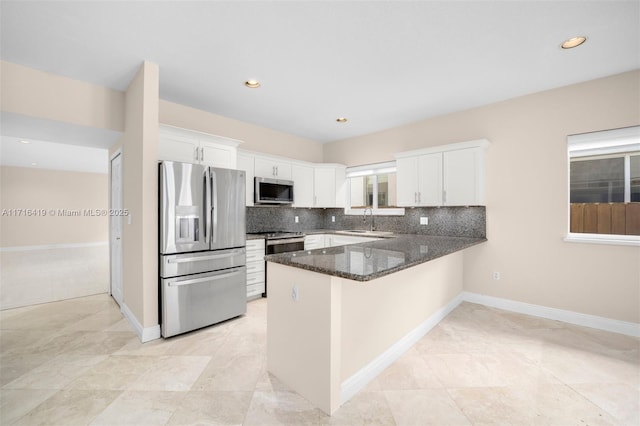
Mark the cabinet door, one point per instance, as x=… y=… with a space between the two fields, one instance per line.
x=216 y=155
x=283 y=170
x=341 y=186
x=245 y=162
x=302 y=185
x=264 y=168
x=269 y=168
x=324 y=184
x=430 y=180
x=461 y=177
x=312 y=242
x=184 y=150
x=407 y=181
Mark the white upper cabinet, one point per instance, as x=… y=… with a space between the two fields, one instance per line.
x=324 y=187
x=314 y=184
x=447 y=175
x=188 y=146
x=267 y=167
x=245 y=162
x=430 y=180
x=462 y=182
x=303 y=192
x=329 y=185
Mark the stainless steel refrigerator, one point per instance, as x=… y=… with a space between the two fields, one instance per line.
x=202 y=246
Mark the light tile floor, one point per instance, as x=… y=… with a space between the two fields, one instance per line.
x=78 y=362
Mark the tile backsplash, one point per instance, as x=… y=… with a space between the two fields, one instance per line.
x=449 y=221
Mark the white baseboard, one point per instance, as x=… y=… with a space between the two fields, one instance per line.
x=366 y=374
x=145 y=334
x=361 y=379
x=577 y=318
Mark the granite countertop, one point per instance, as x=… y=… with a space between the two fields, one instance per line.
x=370 y=260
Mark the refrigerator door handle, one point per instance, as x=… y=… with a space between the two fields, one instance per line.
x=214 y=207
x=207 y=204
x=203 y=258
x=203 y=280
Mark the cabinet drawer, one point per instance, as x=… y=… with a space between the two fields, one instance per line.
x=255 y=278
x=255 y=267
x=255 y=289
x=255 y=256
x=255 y=245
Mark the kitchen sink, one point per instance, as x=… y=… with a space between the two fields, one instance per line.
x=366 y=233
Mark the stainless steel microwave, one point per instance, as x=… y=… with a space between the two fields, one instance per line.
x=273 y=191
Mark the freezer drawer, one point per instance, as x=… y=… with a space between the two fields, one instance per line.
x=194 y=263
x=196 y=301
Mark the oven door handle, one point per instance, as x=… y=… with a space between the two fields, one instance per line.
x=285 y=241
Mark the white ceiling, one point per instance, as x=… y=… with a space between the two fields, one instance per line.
x=55 y=156
x=379 y=63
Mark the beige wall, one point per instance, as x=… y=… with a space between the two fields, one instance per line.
x=527 y=195
x=29 y=188
x=340 y=330
x=60 y=254
x=39 y=94
x=140 y=196
x=255 y=138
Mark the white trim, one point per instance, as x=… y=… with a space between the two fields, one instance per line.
x=144 y=334
x=169 y=130
x=617 y=240
x=477 y=143
x=366 y=374
x=571 y=317
x=53 y=246
x=371 y=169
x=604 y=139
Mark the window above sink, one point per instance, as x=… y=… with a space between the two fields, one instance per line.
x=372 y=186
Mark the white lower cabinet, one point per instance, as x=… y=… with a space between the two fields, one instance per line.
x=255 y=267
x=312 y=242
x=343 y=240
x=317 y=241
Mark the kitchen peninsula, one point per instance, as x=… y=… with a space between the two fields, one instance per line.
x=338 y=316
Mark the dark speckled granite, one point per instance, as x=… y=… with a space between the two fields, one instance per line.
x=446 y=221
x=371 y=260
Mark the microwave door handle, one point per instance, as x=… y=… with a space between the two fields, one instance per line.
x=207 y=206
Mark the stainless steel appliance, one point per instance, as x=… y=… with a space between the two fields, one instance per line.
x=282 y=242
x=202 y=246
x=272 y=191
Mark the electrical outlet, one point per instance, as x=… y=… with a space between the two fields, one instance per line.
x=333 y=218
x=496 y=276
x=296 y=219
x=294 y=293
x=424 y=220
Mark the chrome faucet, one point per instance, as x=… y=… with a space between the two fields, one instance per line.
x=372 y=226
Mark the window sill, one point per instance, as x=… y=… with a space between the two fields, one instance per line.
x=376 y=212
x=617 y=240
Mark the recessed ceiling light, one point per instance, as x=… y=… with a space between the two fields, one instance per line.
x=341 y=119
x=252 y=84
x=34 y=164
x=24 y=142
x=573 y=42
